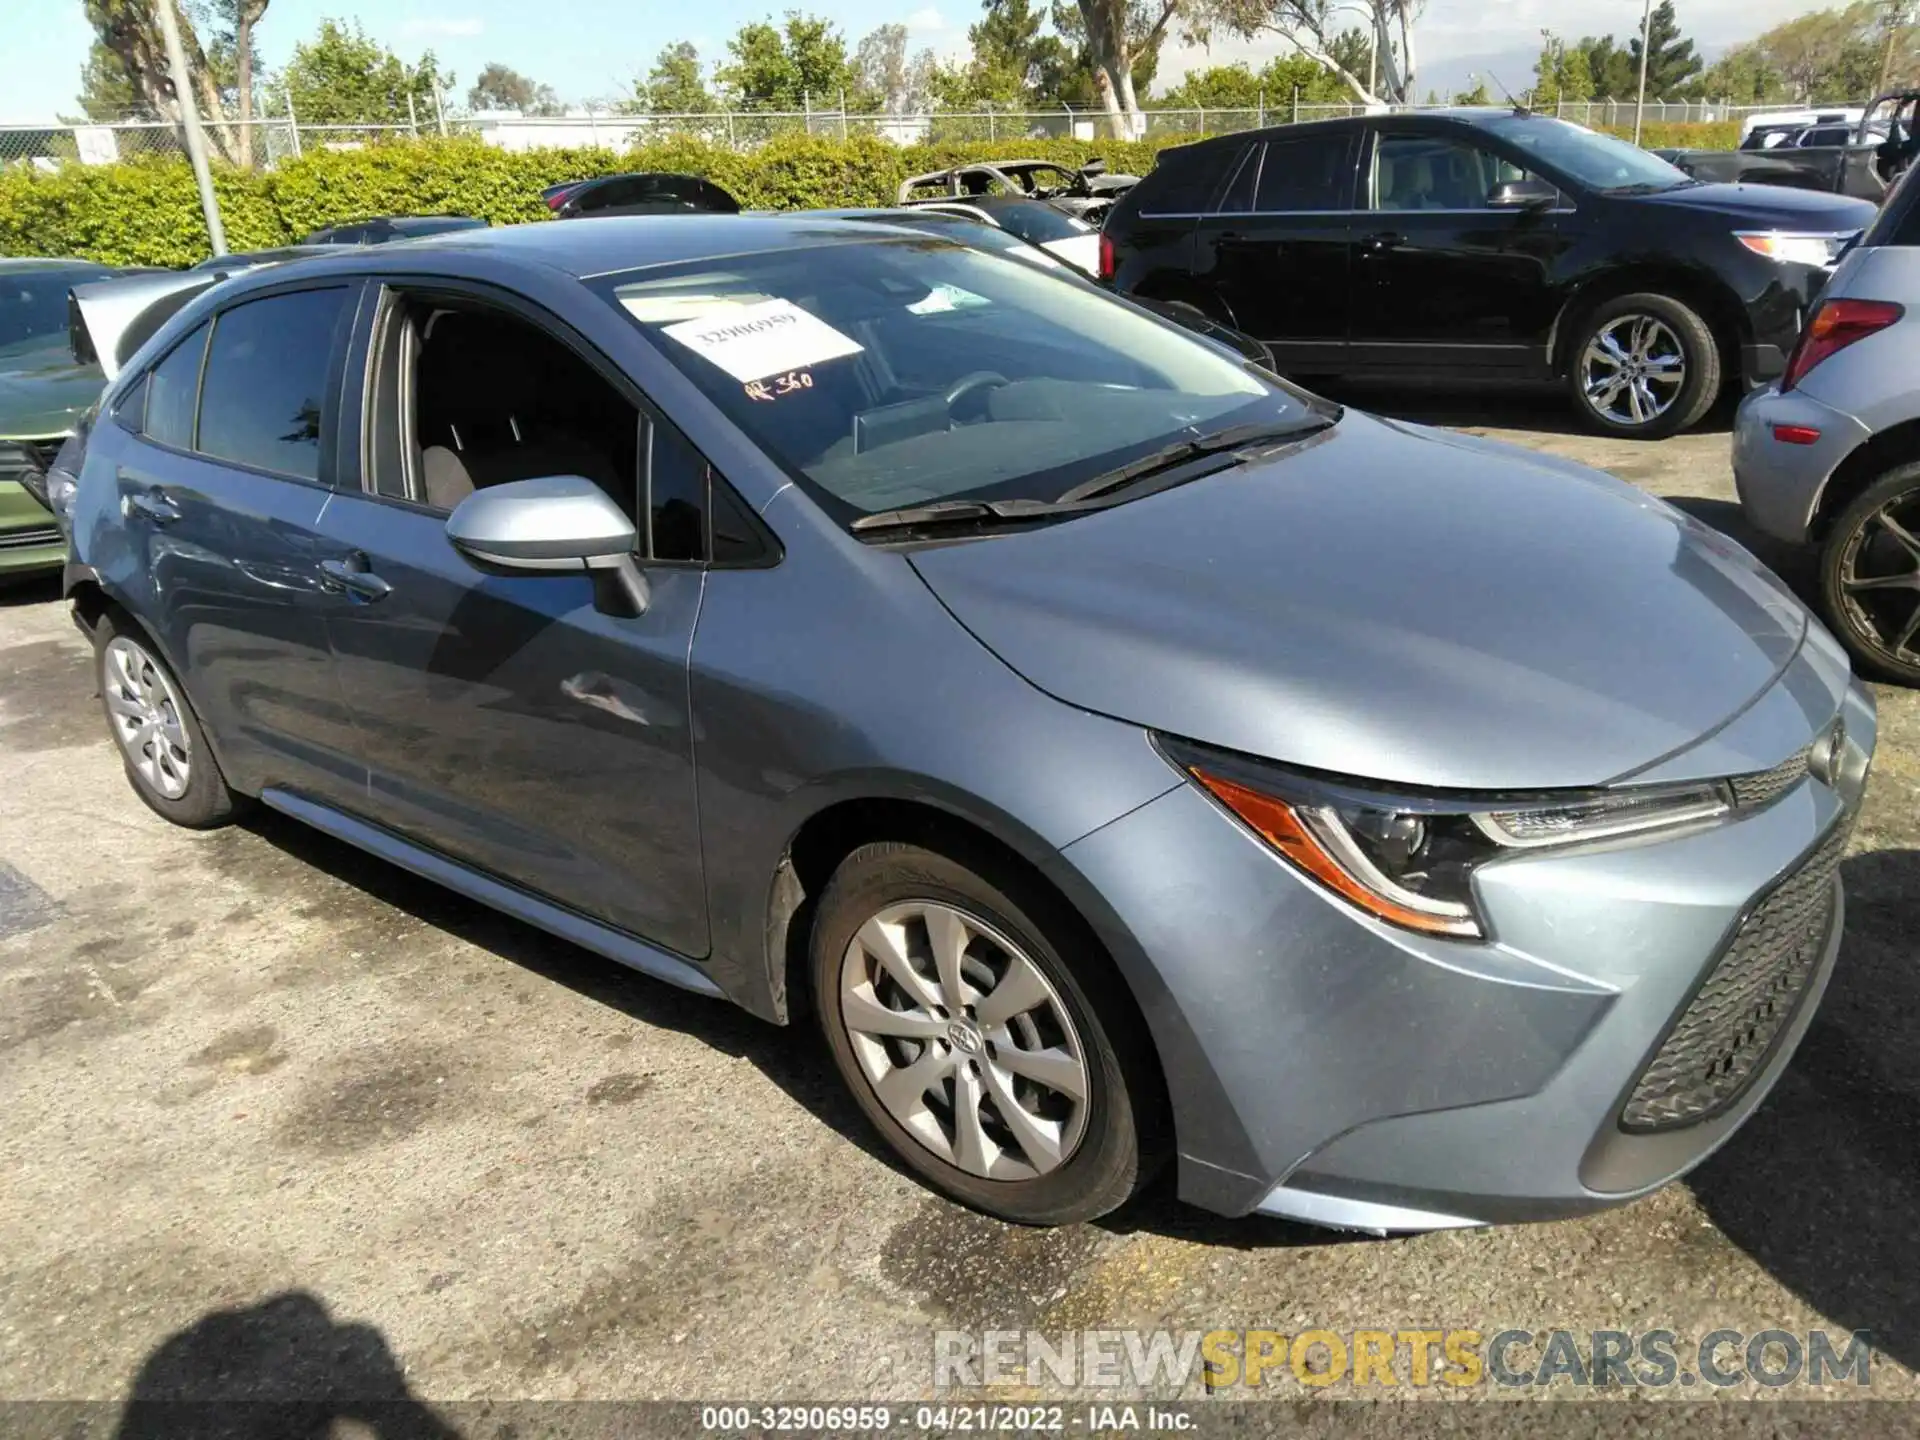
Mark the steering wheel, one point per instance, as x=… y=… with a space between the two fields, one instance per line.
x=972 y=383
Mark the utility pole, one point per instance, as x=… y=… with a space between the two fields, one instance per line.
x=1896 y=21
x=1640 y=104
x=190 y=122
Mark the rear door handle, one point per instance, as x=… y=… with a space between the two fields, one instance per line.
x=354 y=577
x=1382 y=241
x=154 y=504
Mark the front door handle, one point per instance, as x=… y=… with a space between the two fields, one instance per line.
x=153 y=504
x=354 y=577
x=1382 y=241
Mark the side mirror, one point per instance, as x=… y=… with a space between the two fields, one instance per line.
x=1522 y=195
x=555 y=524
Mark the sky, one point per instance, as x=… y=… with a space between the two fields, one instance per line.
x=595 y=48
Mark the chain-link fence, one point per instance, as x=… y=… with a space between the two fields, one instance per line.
x=262 y=143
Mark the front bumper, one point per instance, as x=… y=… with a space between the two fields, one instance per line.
x=1328 y=1068
x=30 y=540
x=1780 y=483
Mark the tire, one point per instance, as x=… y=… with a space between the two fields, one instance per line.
x=171 y=768
x=1672 y=333
x=1062 y=1160
x=1862 y=545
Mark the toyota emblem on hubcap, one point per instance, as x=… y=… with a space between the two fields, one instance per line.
x=964 y=1038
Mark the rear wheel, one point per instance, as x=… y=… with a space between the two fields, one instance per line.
x=1644 y=367
x=167 y=759
x=970 y=1042
x=1870 y=576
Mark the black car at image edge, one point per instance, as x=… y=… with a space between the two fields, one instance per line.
x=1485 y=243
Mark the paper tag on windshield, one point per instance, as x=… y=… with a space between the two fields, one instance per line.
x=755 y=341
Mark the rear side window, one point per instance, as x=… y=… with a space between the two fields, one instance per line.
x=171 y=389
x=266 y=380
x=1185 y=183
x=1310 y=173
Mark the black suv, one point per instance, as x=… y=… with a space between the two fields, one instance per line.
x=1484 y=242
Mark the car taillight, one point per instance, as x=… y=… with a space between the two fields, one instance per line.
x=1832 y=327
x=1109 y=262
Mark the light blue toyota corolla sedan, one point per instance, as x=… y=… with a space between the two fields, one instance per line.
x=1123 y=756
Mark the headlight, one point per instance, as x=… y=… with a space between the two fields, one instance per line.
x=61 y=489
x=1410 y=859
x=1821 y=248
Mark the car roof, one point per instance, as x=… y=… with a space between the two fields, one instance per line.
x=1478 y=116
x=18 y=264
x=595 y=245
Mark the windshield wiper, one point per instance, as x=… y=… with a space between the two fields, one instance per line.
x=1650 y=187
x=952 y=512
x=1236 y=437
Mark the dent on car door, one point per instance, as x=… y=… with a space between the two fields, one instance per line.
x=220 y=487
x=1442 y=277
x=1276 y=248
x=508 y=720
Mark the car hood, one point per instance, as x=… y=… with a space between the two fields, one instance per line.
x=43 y=393
x=1390 y=603
x=1777 y=207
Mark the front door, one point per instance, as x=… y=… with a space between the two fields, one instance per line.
x=1275 y=252
x=1442 y=279
x=507 y=721
x=220 y=485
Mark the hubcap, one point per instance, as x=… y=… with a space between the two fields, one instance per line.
x=1880 y=580
x=146 y=717
x=1633 y=369
x=965 y=1041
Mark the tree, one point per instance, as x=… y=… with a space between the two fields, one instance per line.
x=129 y=59
x=787 y=67
x=674 y=86
x=1562 y=73
x=109 y=91
x=1476 y=96
x=344 y=77
x=1116 y=33
x=1068 y=75
x=1236 y=87
x=236 y=41
x=1010 y=61
x=501 y=88
x=1839 y=54
x=1672 y=67
x=1614 y=74
x=1308 y=26
x=888 y=79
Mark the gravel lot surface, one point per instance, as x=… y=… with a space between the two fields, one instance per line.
x=280 y=1119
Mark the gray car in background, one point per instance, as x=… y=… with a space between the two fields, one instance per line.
x=1828 y=457
x=1121 y=756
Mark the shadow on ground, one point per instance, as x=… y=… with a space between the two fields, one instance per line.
x=1822 y=1185
x=32 y=590
x=792 y=1057
x=283 y=1369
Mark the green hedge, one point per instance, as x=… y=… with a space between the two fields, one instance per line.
x=145 y=212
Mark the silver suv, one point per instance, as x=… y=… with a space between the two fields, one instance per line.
x=1828 y=457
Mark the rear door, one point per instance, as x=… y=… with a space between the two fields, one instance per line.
x=1275 y=251
x=1441 y=278
x=221 y=483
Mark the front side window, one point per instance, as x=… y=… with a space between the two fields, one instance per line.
x=894 y=372
x=1305 y=174
x=266 y=381
x=172 y=387
x=1433 y=172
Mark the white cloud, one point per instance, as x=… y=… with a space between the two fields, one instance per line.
x=442 y=27
x=926 y=19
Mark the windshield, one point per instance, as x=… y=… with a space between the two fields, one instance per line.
x=896 y=372
x=1596 y=161
x=33 y=307
x=1037 y=223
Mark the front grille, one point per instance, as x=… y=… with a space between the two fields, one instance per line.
x=44 y=451
x=1752 y=791
x=30 y=539
x=1721 y=1039
x=23 y=456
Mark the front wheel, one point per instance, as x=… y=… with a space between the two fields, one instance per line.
x=1870 y=576
x=1644 y=367
x=969 y=1041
